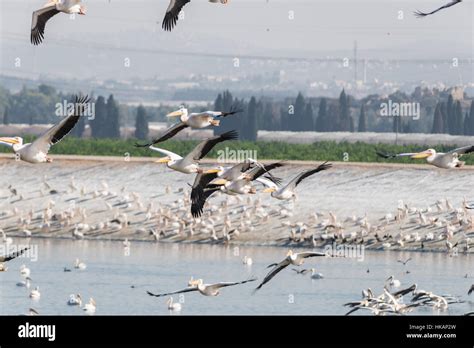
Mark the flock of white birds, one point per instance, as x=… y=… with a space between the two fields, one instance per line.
x=126 y=216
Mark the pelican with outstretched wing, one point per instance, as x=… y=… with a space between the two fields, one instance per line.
x=287 y=192
x=44 y=14
x=448 y=160
x=37 y=151
x=9 y=257
x=190 y=163
x=420 y=14
x=204 y=289
x=174 y=8
x=196 y=120
x=292 y=258
x=206 y=185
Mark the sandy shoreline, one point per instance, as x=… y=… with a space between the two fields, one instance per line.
x=81 y=158
x=364 y=197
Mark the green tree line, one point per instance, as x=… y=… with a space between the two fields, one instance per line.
x=319 y=151
x=440 y=113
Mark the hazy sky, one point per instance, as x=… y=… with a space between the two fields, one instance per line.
x=98 y=43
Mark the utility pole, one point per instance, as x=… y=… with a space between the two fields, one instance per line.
x=355 y=61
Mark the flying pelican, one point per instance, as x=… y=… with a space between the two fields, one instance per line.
x=249 y=170
x=296 y=259
x=190 y=163
x=90 y=307
x=287 y=192
x=420 y=14
x=37 y=151
x=204 y=289
x=53 y=7
x=174 y=8
x=243 y=185
x=202 y=190
x=235 y=178
x=196 y=120
x=403 y=292
x=397 y=307
x=173 y=306
x=225 y=174
x=9 y=257
x=74 y=300
x=428 y=297
x=446 y=160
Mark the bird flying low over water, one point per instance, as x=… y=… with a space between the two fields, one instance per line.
x=204 y=289
x=37 y=151
x=420 y=14
x=446 y=160
x=292 y=258
x=174 y=8
x=190 y=163
x=287 y=192
x=53 y=7
x=9 y=257
x=303 y=271
x=404 y=262
x=196 y=120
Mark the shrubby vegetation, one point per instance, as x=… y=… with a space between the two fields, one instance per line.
x=320 y=151
x=448 y=111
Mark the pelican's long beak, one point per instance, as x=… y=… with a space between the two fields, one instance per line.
x=9 y=141
x=421 y=155
x=163 y=160
x=269 y=190
x=178 y=113
x=219 y=182
x=212 y=171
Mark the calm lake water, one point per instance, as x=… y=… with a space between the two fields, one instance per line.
x=162 y=267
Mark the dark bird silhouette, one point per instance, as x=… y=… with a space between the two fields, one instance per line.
x=420 y=14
